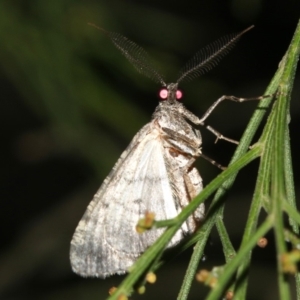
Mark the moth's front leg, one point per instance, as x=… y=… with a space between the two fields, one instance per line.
x=183 y=143
x=184 y=152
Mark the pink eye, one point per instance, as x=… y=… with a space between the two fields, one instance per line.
x=163 y=94
x=179 y=94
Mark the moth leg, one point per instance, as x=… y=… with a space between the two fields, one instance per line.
x=215 y=104
x=231 y=98
x=213 y=162
x=198 y=134
x=220 y=136
x=183 y=143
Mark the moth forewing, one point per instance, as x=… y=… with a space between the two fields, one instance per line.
x=152 y=175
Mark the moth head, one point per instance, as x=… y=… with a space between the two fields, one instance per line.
x=170 y=93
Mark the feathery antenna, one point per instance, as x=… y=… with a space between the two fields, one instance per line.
x=201 y=62
x=208 y=57
x=136 y=55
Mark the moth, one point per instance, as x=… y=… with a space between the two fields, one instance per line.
x=155 y=173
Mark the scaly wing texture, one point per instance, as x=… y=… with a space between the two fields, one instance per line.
x=105 y=241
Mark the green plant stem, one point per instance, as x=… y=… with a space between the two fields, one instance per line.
x=297 y=279
x=229 y=252
x=292 y=212
x=218 y=290
x=266 y=170
x=194 y=261
x=261 y=196
x=289 y=179
x=278 y=188
x=288 y=80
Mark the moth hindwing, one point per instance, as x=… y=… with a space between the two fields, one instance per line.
x=154 y=174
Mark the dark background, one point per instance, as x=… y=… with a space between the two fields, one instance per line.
x=70 y=104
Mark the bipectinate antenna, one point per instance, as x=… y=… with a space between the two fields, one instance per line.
x=208 y=57
x=201 y=62
x=136 y=55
